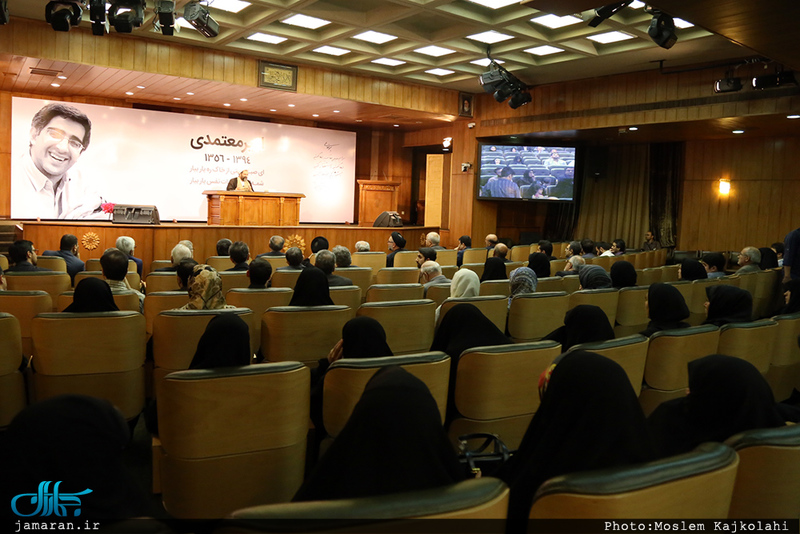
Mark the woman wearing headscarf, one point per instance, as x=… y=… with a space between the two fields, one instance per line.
x=666 y=308
x=589 y=419
x=727 y=395
x=465 y=283
x=311 y=288
x=92 y=295
x=692 y=270
x=728 y=304
x=521 y=281
x=78 y=441
x=791 y=295
x=540 y=264
x=769 y=259
x=593 y=277
x=393 y=442
x=494 y=269
x=582 y=324
x=623 y=274
x=205 y=290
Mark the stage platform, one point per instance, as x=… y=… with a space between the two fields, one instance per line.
x=155 y=242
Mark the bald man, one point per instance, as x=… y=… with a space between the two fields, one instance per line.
x=491 y=241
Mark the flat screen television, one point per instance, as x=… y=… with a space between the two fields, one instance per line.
x=528 y=172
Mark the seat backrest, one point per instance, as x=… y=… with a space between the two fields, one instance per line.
x=54 y=263
x=374 y=260
x=696 y=485
x=301 y=333
x=768 y=282
x=670 y=351
x=787 y=350
x=409 y=324
x=156 y=302
x=511 y=265
x=25 y=305
x=220 y=263
x=225 y=432
x=754 y=342
x=53 y=283
x=346 y=296
x=12 y=385
x=406 y=258
x=287 y=278
x=159 y=264
x=631 y=312
x=494 y=307
x=398 y=275
x=669 y=273
x=685 y=288
x=234 y=279
x=477 y=268
x=768 y=479
x=360 y=276
x=557 y=265
x=629 y=352
x=495 y=287
x=93 y=264
x=438 y=293
x=3 y=262
x=749 y=282
x=448 y=257
x=126 y=300
x=606 y=299
x=550 y=284
x=475 y=255
x=648 y=276
x=520 y=253
x=449 y=271
x=731 y=280
x=259 y=300
x=532 y=316
x=696 y=304
x=162 y=281
x=346 y=378
x=604 y=262
x=391 y=292
x=88 y=274
x=571 y=283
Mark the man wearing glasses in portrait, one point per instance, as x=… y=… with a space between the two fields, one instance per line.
x=44 y=185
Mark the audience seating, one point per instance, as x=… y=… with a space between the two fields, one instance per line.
x=603 y=261
x=511 y=265
x=630 y=352
x=155 y=303
x=132 y=277
x=360 y=276
x=477 y=268
x=481 y=498
x=438 y=293
x=495 y=287
x=398 y=275
x=784 y=368
x=449 y=271
x=259 y=300
x=301 y=333
x=349 y=296
x=232 y=438
x=669 y=273
x=768 y=479
x=53 y=283
x=448 y=257
x=686 y=290
x=220 y=263
x=406 y=258
x=696 y=485
x=3 y=262
x=557 y=265
x=730 y=280
x=54 y=263
x=159 y=264
x=519 y=253
x=276 y=262
x=346 y=378
x=494 y=307
x=754 y=342
x=697 y=309
x=648 y=276
x=551 y=283
x=496 y=389
x=96 y=354
x=286 y=278
x=163 y=281
x=638 y=259
x=768 y=283
x=12 y=384
x=409 y=324
x=632 y=316
x=234 y=279
x=749 y=282
x=668 y=354
x=475 y=255
x=534 y=315
x=126 y=300
x=93 y=264
x=374 y=260
x=391 y=292
x=572 y=283
x=606 y=299
x=25 y=305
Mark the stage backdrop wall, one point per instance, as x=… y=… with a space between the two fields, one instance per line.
x=165 y=159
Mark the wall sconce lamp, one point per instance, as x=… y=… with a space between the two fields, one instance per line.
x=447 y=144
x=724 y=186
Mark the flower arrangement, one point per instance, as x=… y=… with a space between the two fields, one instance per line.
x=108 y=207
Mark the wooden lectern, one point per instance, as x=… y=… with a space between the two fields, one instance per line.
x=236 y=208
x=375 y=197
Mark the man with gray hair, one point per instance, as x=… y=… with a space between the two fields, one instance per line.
x=431 y=274
x=362 y=246
x=276 y=243
x=294 y=260
x=188 y=244
x=326 y=262
x=128 y=245
x=749 y=258
x=574 y=263
x=432 y=241
x=179 y=252
x=343 y=258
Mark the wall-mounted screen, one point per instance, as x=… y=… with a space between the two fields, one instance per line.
x=536 y=172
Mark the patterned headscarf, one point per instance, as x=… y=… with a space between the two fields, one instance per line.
x=522 y=280
x=205 y=289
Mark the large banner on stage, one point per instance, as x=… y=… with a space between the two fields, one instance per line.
x=72 y=161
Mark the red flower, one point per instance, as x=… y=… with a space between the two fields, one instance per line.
x=108 y=207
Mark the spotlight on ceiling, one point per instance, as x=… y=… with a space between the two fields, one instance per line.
x=606 y=12
x=662 y=30
x=728 y=85
x=165 y=9
x=63 y=15
x=97 y=14
x=125 y=15
x=505 y=85
x=4 y=12
x=198 y=16
x=778 y=79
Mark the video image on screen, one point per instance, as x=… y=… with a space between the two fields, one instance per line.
x=527 y=172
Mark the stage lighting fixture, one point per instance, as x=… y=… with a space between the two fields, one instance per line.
x=778 y=79
x=125 y=15
x=606 y=12
x=198 y=16
x=662 y=30
x=491 y=80
x=97 y=14
x=63 y=15
x=504 y=85
x=165 y=9
x=519 y=99
x=4 y=12
x=728 y=85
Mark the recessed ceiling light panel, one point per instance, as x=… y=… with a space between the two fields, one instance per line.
x=495 y=4
x=331 y=50
x=304 y=21
x=440 y=72
x=435 y=51
x=388 y=61
x=610 y=37
x=266 y=38
x=490 y=37
x=554 y=21
x=544 y=50
x=375 y=37
x=485 y=62
x=231 y=6
x=636 y=4
x=680 y=23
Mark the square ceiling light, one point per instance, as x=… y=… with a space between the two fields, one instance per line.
x=490 y=37
x=304 y=21
x=485 y=62
x=388 y=61
x=440 y=72
x=332 y=50
x=610 y=37
x=435 y=51
x=554 y=21
x=495 y=4
x=544 y=50
x=375 y=37
x=636 y=4
x=232 y=6
x=680 y=23
x=266 y=38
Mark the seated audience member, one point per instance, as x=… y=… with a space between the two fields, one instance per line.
x=589 y=419
x=572 y=249
x=425 y=254
x=594 y=277
x=188 y=244
x=666 y=308
x=319 y=243
x=791 y=297
x=728 y=304
x=362 y=246
x=465 y=283
x=397 y=243
x=259 y=272
x=463 y=327
x=501 y=251
x=494 y=269
x=431 y=275
x=393 y=442
x=587 y=248
x=239 y=254
x=491 y=241
x=23 y=255
x=276 y=243
x=769 y=260
x=343 y=257
x=604 y=249
x=650 y=242
x=582 y=324
x=432 y=240
x=78 y=443
x=127 y=245
x=179 y=252
x=311 y=289
x=778 y=249
x=114 y=264
x=522 y=280
x=184 y=272
x=618 y=247
x=749 y=258
x=69 y=251
x=502 y=185
x=546 y=248
x=714 y=264
x=464 y=242
x=224 y=247
x=726 y=396
x=540 y=264
x=3 y=285
x=574 y=264
x=294 y=259
x=326 y=262
x=205 y=290
x=692 y=270
x=623 y=274
x=92 y=295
